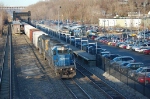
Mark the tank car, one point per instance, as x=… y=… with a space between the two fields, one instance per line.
x=59 y=56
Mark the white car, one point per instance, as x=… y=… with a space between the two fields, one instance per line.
x=135 y=47
x=129 y=46
x=140 y=50
x=140 y=71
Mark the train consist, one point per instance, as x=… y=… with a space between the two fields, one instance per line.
x=59 y=55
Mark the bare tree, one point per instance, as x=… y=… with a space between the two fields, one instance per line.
x=3 y=18
x=84 y=10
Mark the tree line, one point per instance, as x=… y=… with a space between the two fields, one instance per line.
x=87 y=11
x=3 y=18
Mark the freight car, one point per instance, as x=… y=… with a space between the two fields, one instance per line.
x=17 y=27
x=59 y=56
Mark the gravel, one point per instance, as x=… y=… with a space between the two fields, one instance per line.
x=35 y=79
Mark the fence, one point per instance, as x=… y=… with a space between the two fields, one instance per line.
x=1 y=24
x=115 y=70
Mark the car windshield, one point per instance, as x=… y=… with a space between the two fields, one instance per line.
x=139 y=69
x=126 y=59
x=125 y=64
x=104 y=53
x=113 y=56
x=135 y=65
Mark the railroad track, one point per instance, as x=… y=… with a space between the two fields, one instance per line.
x=6 y=79
x=46 y=70
x=75 y=89
x=107 y=90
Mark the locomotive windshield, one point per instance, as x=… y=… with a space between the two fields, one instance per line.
x=62 y=51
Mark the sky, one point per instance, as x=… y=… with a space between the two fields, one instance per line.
x=18 y=2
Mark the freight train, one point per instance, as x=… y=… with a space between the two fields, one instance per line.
x=59 y=56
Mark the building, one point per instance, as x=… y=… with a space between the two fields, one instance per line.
x=119 y=22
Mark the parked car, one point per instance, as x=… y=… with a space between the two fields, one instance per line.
x=105 y=52
x=123 y=46
x=97 y=38
x=140 y=71
x=121 y=59
x=140 y=50
x=144 y=79
x=146 y=45
x=131 y=67
x=99 y=50
x=93 y=37
x=136 y=46
x=113 y=43
x=129 y=46
x=111 y=56
x=147 y=51
x=122 y=65
x=119 y=43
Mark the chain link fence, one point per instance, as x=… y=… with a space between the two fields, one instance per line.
x=1 y=24
x=122 y=75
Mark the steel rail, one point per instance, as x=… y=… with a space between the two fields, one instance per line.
x=10 y=42
x=118 y=94
x=80 y=90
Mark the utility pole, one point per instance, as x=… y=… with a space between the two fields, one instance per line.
x=58 y=17
x=58 y=21
x=1 y=24
x=144 y=19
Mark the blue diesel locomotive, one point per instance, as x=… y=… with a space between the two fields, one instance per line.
x=59 y=56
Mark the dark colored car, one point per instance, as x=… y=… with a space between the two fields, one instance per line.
x=111 y=56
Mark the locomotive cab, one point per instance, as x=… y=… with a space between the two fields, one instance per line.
x=64 y=61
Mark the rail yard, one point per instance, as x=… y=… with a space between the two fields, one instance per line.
x=32 y=77
x=75 y=49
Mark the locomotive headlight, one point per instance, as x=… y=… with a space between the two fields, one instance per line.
x=62 y=48
x=71 y=68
